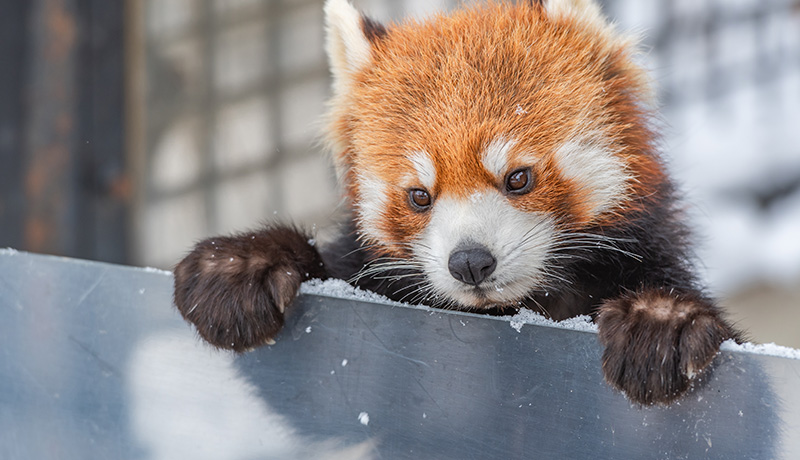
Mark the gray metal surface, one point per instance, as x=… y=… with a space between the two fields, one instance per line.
x=95 y=363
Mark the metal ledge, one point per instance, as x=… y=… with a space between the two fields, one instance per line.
x=96 y=363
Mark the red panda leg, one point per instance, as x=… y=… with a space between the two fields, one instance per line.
x=235 y=289
x=657 y=341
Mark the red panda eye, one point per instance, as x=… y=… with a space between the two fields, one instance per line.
x=420 y=199
x=519 y=181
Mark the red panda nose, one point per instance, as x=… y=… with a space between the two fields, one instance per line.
x=471 y=265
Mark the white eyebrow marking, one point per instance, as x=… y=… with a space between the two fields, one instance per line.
x=426 y=171
x=495 y=157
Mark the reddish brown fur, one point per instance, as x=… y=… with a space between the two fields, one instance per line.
x=531 y=79
x=451 y=85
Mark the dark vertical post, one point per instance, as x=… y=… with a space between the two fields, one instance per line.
x=51 y=129
x=63 y=183
x=14 y=53
x=104 y=180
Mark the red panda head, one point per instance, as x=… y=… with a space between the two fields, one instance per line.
x=473 y=145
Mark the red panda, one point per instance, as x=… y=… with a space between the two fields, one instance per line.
x=498 y=158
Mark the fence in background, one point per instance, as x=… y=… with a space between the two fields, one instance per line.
x=224 y=100
x=235 y=93
x=235 y=89
x=64 y=188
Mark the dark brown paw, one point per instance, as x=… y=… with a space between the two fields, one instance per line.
x=235 y=289
x=657 y=342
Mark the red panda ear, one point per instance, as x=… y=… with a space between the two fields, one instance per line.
x=585 y=10
x=373 y=30
x=588 y=14
x=348 y=41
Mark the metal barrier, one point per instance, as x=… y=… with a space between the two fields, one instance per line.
x=96 y=363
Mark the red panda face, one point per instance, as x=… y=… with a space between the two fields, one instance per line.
x=475 y=147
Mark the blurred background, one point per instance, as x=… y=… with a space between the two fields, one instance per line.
x=130 y=129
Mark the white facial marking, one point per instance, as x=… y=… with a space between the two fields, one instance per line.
x=373 y=201
x=426 y=171
x=518 y=240
x=596 y=169
x=495 y=157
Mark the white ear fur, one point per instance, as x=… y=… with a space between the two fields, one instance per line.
x=587 y=10
x=347 y=47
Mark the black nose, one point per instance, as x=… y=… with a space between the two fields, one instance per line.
x=471 y=265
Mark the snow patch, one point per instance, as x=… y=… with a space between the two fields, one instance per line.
x=342 y=290
x=8 y=251
x=154 y=270
x=768 y=349
x=525 y=316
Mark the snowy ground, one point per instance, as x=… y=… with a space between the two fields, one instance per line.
x=729 y=156
x=728 y=78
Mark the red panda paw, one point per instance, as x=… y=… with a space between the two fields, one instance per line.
x=657 y=343
x=235 y=289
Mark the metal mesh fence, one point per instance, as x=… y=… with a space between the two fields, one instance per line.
x=235 y=90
